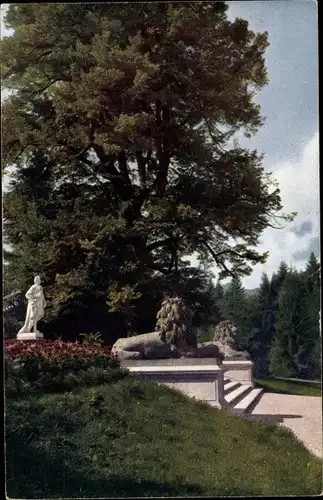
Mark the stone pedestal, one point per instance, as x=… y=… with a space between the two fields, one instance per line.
x=238 y=371
x=30 y=336
x=203 y=381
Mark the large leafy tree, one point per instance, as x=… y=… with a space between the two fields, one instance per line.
x=119 y=128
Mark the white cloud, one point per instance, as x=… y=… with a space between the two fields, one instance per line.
x=299 y=187
x=4 y=31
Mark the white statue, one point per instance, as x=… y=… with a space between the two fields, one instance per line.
x=35 y=311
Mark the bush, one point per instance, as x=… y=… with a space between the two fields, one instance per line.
x=57 y=366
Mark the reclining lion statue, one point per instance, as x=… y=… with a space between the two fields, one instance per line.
x=175 y=337
x=151 y=346
x=225 y=338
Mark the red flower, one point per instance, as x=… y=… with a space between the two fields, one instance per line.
x=53 y=349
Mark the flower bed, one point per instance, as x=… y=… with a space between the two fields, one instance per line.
x=53 y=349
x=56 y=365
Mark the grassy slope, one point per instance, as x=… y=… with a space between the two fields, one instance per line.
x=288 y=387
x=132 y=438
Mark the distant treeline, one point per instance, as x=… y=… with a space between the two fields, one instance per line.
x=279 y=324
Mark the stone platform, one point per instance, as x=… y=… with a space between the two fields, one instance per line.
x=239 y=371
x=227 y=385
x=203 y=381
x=234 y=369
x=30 y=336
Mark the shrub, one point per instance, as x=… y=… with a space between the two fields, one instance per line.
x=55 y=366
x=92 y=338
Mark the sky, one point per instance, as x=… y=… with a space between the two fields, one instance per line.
x=289 y=138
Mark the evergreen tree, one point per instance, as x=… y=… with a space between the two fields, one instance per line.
x=219 y=295
x=119 y=129
x=295 y=339
x=278 y=279
x=211 y=311
x=236 y=309
x=313 y=272
x=312 y=278
x=264 y=331
x=276 y=283
x=219 y=290
x=282 y=361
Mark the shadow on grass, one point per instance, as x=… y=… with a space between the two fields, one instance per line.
x=270 y=419
x=34 y=474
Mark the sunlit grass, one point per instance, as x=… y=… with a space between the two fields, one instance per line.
x=134 y=438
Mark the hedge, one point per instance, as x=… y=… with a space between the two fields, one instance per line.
x=55 y=366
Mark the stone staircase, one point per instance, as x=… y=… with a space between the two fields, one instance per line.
x=241 y=398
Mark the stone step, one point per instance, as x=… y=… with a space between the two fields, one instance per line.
x=248 y=401
x=237 y=394
x=230 y=386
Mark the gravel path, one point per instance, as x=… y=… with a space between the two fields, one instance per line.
x=301 y=414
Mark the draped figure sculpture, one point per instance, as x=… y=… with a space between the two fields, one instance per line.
x=35 y=311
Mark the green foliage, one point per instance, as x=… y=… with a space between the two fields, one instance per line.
x=92 y=338
x=278 y=278
x=53 y=380
x=289 y=387
x=136 y=438
x=264 y=321
x=205 y=334
x=12 y=320
x=265 y=316
x=118 y=129
x=57 y=366
x=295 y=348
x=313 y=273
x=219 y=290
x=281 y=361
x=238 y=309
x=208 y=311
x=279 y=325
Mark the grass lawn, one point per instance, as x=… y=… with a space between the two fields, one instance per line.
x=133 y=438
x=288 y=387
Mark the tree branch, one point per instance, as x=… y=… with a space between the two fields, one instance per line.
x=162 y=153
x=141 y=162
x=160 y=269
x=215 y=257
x=82 y=153
x=106 y=160
x=211 y=133
x=160 y=243
x=123 y=167
x=172 y=261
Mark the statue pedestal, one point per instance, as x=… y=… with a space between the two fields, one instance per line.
x=239 y=370
x=30 y=336
x=201 y=379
